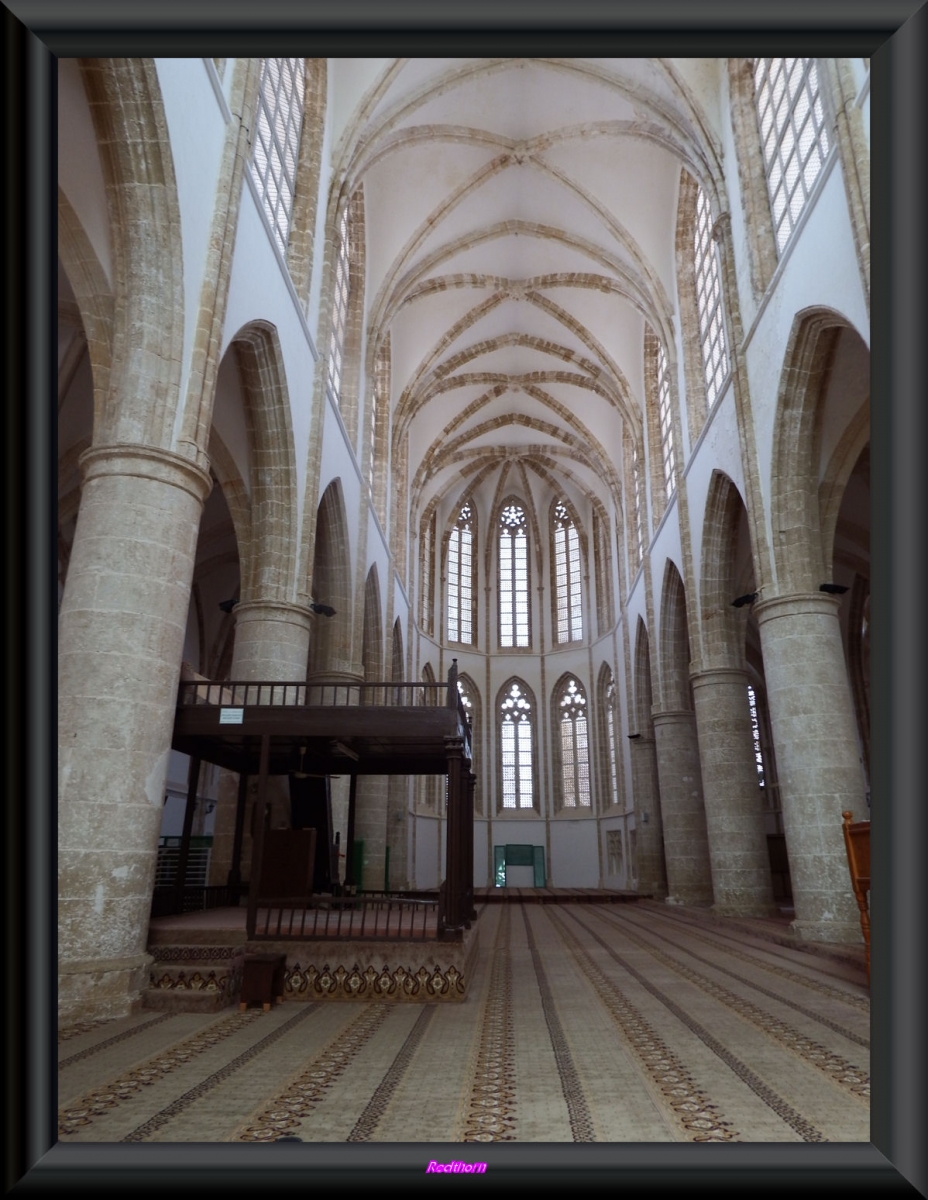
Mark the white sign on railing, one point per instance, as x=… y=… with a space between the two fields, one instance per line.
x=231 y=716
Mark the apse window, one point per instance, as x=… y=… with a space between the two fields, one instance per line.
x=755 y=736
x=574 y=742
x=712 y=338
x=794 y=139
x=461 y=578
x=567 y=577
x=516 y=747
x=513 y=577
x=276 y=145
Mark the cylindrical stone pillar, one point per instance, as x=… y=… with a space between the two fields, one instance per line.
x=741 y=881
x=271 y=643
x=818 y=757
x=686 y=844
x=121 y=635
x=649 y=828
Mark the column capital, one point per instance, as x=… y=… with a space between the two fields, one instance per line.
x=274 y=610
x=709 y=675
x=146 y=462
x=796 y=604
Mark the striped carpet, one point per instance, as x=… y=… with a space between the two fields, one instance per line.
x=583 y=1023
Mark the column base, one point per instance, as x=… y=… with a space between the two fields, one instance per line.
x=689 y=901
x=845 y=934
x=101 y=989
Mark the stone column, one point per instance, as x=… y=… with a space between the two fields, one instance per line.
x=121 y=636
x=686 y=844
x=741 y=880
x=652 y=874
x=817 y=754
x=397 y=805
x=271 y=643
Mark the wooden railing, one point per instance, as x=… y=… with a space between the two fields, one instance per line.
x=377 y=917
x=231 y=694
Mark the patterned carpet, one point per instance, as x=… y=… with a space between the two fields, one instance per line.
x=583 y=1023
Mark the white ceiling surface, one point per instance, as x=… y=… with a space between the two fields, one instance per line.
x=520 y=220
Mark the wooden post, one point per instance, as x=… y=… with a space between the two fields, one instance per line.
x=257 y=843
x=235 y=871
x=193 y=779
x=454 y=858
x=349 y=848
x=467 y=823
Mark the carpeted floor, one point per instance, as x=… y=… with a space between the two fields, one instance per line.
x=583 y=1023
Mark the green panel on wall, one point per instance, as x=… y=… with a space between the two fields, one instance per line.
x=539 y=865
x=520 y=856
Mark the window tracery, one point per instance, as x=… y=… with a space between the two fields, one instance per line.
x=514 y=625
x=516 y=747
x=567 y=577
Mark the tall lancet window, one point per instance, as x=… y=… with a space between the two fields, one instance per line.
x=461 y=591
x=276 y=144
x=793 y=134
x=755 y=736
x=567 y=575
x=664 y=412
x=639 y=526
x=333 y=373
x=516 y=746
x=574 y=745
x=609 y=702
x=514 y=628
x=709 y=302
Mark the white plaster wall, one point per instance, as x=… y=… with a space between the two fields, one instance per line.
x=574 y=854
x=229 y=417
x=196 y=150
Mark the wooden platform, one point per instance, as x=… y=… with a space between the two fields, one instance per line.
x=513 y=895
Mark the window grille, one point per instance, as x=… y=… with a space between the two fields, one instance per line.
x=610 y=738
x=567 y=577
x=339 y=310
x=461 y=578
x=276 y=143
x=755 y=735
x=709 y=303
x=575 y=753
x=516 y=747
x=198 y=858
x=664 y=413
x=794 y=140
x=513 y=577
x=639 y=528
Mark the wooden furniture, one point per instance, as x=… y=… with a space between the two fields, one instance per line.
x=262 y=980
x=857 y=843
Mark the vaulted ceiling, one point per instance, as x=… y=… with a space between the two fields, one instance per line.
x=520 y=231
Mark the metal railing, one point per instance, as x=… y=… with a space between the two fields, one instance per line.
x=169 y=901
x=378 y=917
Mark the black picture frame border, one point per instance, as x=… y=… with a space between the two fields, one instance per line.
x=894 y=33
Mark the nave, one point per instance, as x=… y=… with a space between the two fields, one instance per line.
x=584 y=1023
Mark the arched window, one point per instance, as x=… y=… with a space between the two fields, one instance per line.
x=573 y=744
x=461 y=564
x=567 y=573
x=794 y=139
x=755 y=734
x=516 y=749
x=333 y=375
x=276 y=143
x=668 y=458
x=639 y=501
x=514 y=628
x=709 y=302
x=471 y=700
x=609 y=715
x=427 y=571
